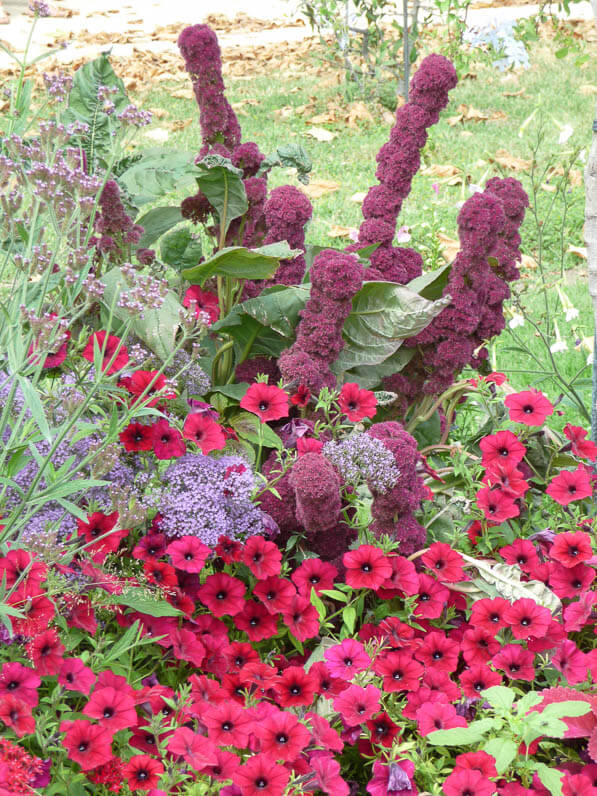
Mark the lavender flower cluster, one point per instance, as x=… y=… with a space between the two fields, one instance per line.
x=488 y=226
x=363 y=459
x=335 y=279
x=208 y=497
x=189 y=375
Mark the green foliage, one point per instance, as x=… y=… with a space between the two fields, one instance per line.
x=222 y=184
x=180 y=248
x=158 y=172
x=241 y=263
x=289 y=156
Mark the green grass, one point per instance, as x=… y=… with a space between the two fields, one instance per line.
x=551 y=97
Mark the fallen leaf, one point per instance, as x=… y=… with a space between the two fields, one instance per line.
x=587 y=88
x=469 y=114
x=284 y=113
x=158 y=134
x=321 y=134
x=528 y=262
x=358 y=197
x=449 y=247
x=179 y=124
x=579 y=251
x=183 y=93
x=318 y=188
x=388 y=117
x=545 y=186
x=358 y=112
x=512 y=162
x=159 y=113
x=513 y=93
x=440 y=170
x=337 y=231
x=327 y=117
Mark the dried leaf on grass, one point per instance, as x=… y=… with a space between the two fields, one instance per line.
x=183 y=93
x=529 y=262
x=449 y=247
x=579 y=251
x=440 y=170
x=467 y=113
x=337 y=231
x=588 y=89
x=358 y=197
x=318 y=188
x=512 y=162
x=514 y=93
x=321 y=134
x=358 y=112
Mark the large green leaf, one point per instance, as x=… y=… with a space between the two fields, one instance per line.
x=289 y=156
x=85 y=105
x=503 y=750
x=180 y=248
x=156 y=222
x=159 y=172
x=157 y=328
x=250 y=427
x=383 y=315
x=138 y=600
x=265 y=324
x=369 y=376
x=222 y=183
x=461 y=736
x=241 y=263
x=431 y=284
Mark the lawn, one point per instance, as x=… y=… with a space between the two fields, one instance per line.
x=528 y=125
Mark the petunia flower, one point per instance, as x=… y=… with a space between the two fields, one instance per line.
x=167 y=441
x=301 y=618
x=16 y=715
x=356 y=403
x=142 y=772
x=433 y=716
x=75 y=676
x=570 y=485
x=266 y=401
x=197 y=750
x=188 y=553
x=521 y=552
x=275 y=593
x=281 y=736
x=357 y=704
x=222 y=594
x=295 y=687
x=367 y=567
x=468 y=782
x=204 y=302
x=438 y=651
x=262 y=557
x=516 y=662
x=445 y=563
x=504 y=447
x=228 y=724
x=137 y=437
x=347 y=659
x=525 y=618
x=497 y=505
x=399 y=670
x=204 y=432
x=477 y=678
x=20 y=681
x=46 y=652
x=259 y=776
x=115 y=710
x=115 y=355
x=314 y=573
x=584 y=448
x=529 y=407
x=256 y=621
x=87 y=744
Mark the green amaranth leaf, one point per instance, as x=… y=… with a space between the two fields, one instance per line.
x=242 y=263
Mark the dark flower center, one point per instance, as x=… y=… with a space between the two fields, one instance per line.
x=227 y=726
x=261 y=783
x=571 y=489
x=352 y=405
x=314 y=579
x=270 y=595
x=263 y=407
x=70 y=678
x=397 y=675
x=188 y=557
x=254 y=621
x=527 y=409
x=521 y=560
x=437 y=724
x=142 y=775
x=573 y=551
x=12 y=685
x=137 y=436
x=14 y=714
x=514 y=667
x=479 y=686
x=437 y=655
x=495 y=618
x=165 y=438
x=295 y=690
x=282 y=738
x=45 y=650
x=504 y=451
x=366 y=567
x=221 y=595
x=577 y=584
x=525 y=621
x=425 y=597
x=82 y=747
x=108 y=713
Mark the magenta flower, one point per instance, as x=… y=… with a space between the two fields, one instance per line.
x=347 y=659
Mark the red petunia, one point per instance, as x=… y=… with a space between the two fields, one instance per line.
x=445 y=562
x=530 y=407
x=137 y=437
x=160 y=573
x=570 y=485
x=400 y=671
x=432 y=598
x=87 y=744
x=403 y=580
x=507 y=478
x=114 y=709
x=197 y=750
x=266 y=401
x=502 y=448
x=115 y=356
x=262 y=557
x=367 y=567
x=357 y=704
x=260 y=777
x=100 y=534
x=150 y=547
x=581 y=447
x=46 y=653
x=188 y=554
x=432 y=716
x=327 y=685
x=281 y=736
x=439 y=652
x=489 y=614
x=228 y=724
x=347 y=659
x=204 y=301
x=516 y=662
x=229 y=550
x=222 y=594
x=55 y=358
x=571 y=662
x=314 y=573
x=521 y=552
x=478 y=645
x=301 y=618
x=467 y=782
x=571 y=548
x=295 y=687
x=20 y=681
x=477 y=678
x=356 y=403
x=301 y=396
x=149 y=384
x=204 y=432
x=308 y=445
x=275 y=593
x=256 y=621
x=525 y=618
x=497 y=505
x=143 y=772
x=382 y=730
x=570 y=581
x=17 y=715
x=75 y=676
x=167 y=441
x=480 y=761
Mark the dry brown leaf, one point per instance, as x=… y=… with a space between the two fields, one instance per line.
x=546 y=186
x=327 y=117
x=321 y=134
x=449 y=247
x=337 y=231
x=513 y=93
x=588 y=89
x=440 y=170
x=318 y=188
x=529 y=262
x=575 y=177
x=358 y=197
x=284 y=113
x=469 y=114
x=178 y=124
x=512 y=162
x=158 y=113
x=159 y=134
x=183 y=93
x=358 y=112
x=579 y=251
x=388 y=117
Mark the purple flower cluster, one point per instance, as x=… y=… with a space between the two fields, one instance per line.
x=335 y=279
x=360 y=459
x=208 y=498
x=316 y=485
x=199 y=47
x=398 y=161
x=393 y=509
x=112 y=223
x=488 y=226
